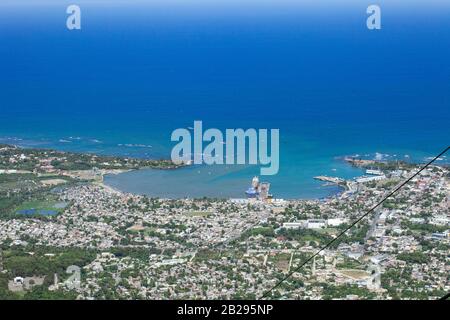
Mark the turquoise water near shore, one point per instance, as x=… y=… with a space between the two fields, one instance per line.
x=132 y=75
x=216 y=182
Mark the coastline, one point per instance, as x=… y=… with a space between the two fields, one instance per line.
x=344 y=187
x=219 y=182
x=137 y=178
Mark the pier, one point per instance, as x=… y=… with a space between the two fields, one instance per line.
x=330 y=179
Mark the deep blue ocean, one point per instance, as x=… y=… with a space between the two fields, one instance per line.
x=135 y=72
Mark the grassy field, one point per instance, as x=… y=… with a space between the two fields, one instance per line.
x=28 y=192
x=281 y=260
x=17 y=181
x=145 y=231
x=38 y=205
x=330 y=231
x=207 y=254
x=354 y=273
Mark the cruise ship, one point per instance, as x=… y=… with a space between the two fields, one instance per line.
x=258 y=190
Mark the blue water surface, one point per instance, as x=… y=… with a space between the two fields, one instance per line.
x=136 y=72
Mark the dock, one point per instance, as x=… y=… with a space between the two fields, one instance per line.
x=334 y=180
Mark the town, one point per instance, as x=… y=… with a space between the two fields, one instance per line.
x=55 y=213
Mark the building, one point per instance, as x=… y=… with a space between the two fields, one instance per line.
x=294 y=225
x=335 y=222
x=369 y=179
x=374 y=172
x=316 y=223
